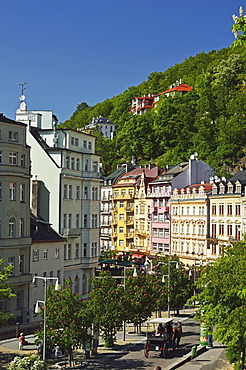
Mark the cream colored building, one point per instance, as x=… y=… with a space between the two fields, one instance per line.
x=190 y=224
x=228 y=213
x=15 y=241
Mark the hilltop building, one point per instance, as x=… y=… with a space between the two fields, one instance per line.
x=143 y=104
x=106 y=126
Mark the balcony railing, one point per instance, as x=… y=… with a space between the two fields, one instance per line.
x=72 y=231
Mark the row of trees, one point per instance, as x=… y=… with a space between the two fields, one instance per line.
x=69 y=318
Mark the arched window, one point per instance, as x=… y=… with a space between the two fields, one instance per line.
x=12 y=228
x=84 y=285
x=76 y=284
x=21 y=227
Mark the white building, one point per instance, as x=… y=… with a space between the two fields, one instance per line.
x=66 y=173
x=15 y=241
x=106 y=126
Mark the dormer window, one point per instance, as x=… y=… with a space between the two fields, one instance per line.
x=238 y=187
x=222 y=189
x=230 y=188
x=214 y=190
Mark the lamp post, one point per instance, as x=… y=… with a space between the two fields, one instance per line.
x=135 y=274
x=37 y=307
x=168 y=284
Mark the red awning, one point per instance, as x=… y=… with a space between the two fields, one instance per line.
x=135 y=255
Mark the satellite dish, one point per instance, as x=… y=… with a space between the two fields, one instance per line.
x=22 y=97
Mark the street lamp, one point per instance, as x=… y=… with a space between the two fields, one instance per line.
x=168 y=282
x=37 y=307
x=135 y=274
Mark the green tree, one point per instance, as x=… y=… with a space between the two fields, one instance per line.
x=6 y=290
x=106 y=303
x=223 y=301
x=239 y=28
x=141 y=297
x=67 y=319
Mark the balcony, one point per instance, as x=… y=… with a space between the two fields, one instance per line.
x=129 y=222
x=130 y=235
x=106 y=198
x=129 y=209
x=72 y=232
x=141 y=233
x=21 y=279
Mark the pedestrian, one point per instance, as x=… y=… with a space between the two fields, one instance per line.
x=57 y=351
x=40 y=347
x=22 y=341
x=177 y=333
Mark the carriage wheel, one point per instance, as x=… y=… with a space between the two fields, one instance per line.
x=164 y=350
x=146 y=350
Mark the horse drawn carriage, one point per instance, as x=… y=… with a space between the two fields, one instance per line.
x=163 y=338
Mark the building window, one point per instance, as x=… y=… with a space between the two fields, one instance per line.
x=70 y=191
x=65 y=221
x=45 y=254
x=229 y=210
x=0 y=191
x=69 y=221
x=65 y=191
x=12 y=188
x=221 y=209
x=121 y=217
x=77 y=164
x=85 y=250
x=1 y=157
x=21 y=227
x=69 y=251
x=237 y=230
x=85 y=144
x=142 y=209
x=95 y=167
x=229 y=230
x=11 y=261
x=78 y=192
x=155 y=217
x=76 y=285
x=22 y=192
x=155 y=233
x=13 y=136
x=72 y=163
x=35 y=254
x=161 y=217
x=23 y=161
x=85 y=220
x=121 y=204
x=221 y=229
x=86 y=165
x=12 y=228
x=86 y=192
x=238 y=210
x=77 y=250
x=89 y=145
x=13 y=158
x=58 y=275
x=214 y=231
x=166 y=233
x=214 y=209
x=76 y=142
x=65 y=252
x=57 y=252
x=121 y=230
x=77 y=220
x=67 y=162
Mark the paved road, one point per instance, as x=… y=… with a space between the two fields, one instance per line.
x=131 y=356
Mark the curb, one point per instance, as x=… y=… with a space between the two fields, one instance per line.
x=186 y=358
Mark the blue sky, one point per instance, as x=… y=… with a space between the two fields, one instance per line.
x=69 y=51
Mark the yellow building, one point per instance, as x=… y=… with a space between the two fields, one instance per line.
x=127 y=195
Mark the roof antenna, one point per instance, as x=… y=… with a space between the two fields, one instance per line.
x=22 y=97
x=23 y=87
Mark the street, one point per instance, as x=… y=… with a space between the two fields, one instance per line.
x=131 y=355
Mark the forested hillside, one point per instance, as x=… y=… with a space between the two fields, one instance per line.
x=209 y=120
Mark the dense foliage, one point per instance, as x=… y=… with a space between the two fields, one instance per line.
x=6 y=290
x=68 y=320
x=223 y=301
x=32 y=362
x=209 y=120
